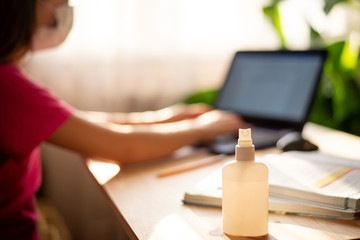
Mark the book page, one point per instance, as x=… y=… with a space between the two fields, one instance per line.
x=336 y=177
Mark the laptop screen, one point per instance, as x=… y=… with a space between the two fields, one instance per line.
x=272 y=87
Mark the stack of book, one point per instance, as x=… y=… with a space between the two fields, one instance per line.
x=302 y=183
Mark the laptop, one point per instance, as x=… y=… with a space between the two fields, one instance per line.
x=272 y=90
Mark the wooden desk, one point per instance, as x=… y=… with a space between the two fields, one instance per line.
x=151 y=208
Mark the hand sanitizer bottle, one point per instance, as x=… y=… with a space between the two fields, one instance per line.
x=245 y=192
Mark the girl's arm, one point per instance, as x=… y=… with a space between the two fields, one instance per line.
x=136 y=143
x=173 y=113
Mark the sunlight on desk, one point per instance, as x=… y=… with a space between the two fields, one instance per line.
x=103 y=171
x=349 y=149
x=291 y=231
x=172 y=227
x=334 y=142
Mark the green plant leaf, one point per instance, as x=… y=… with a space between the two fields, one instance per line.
x=273 y=14
x=350 y=56
x=329 y=4
x=316 y=41
x=207 y=97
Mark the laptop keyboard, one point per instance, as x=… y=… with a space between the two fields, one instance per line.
x=262 y=138
x=266 y=137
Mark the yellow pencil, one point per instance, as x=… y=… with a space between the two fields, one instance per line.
x=192 y=165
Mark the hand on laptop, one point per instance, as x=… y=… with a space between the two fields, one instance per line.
x=217 y=122
x=181 y=111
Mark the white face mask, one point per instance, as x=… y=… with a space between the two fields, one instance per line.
x=48 y=37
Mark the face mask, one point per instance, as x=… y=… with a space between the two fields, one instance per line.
x=48 y=37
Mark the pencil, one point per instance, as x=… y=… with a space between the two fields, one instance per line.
x=192 y=165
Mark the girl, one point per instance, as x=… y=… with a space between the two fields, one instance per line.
x=30 y=114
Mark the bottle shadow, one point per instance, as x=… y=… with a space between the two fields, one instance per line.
x=219 y=232
x=265 y=237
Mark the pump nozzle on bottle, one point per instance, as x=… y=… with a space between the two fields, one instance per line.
x=245 y=150
x=245 y=139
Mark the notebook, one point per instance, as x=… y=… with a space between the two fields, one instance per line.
x=273 y=90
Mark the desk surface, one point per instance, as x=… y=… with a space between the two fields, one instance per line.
x=150 y=207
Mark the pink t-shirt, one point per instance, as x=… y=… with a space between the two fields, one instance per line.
x=29 y=114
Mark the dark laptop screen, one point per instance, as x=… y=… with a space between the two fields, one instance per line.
x=272 y=87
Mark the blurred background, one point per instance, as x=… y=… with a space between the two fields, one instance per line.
x=136 y=55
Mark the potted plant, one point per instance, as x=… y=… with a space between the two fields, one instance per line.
x=337 y=104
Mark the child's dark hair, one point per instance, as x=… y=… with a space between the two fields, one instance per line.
x=17 y=26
